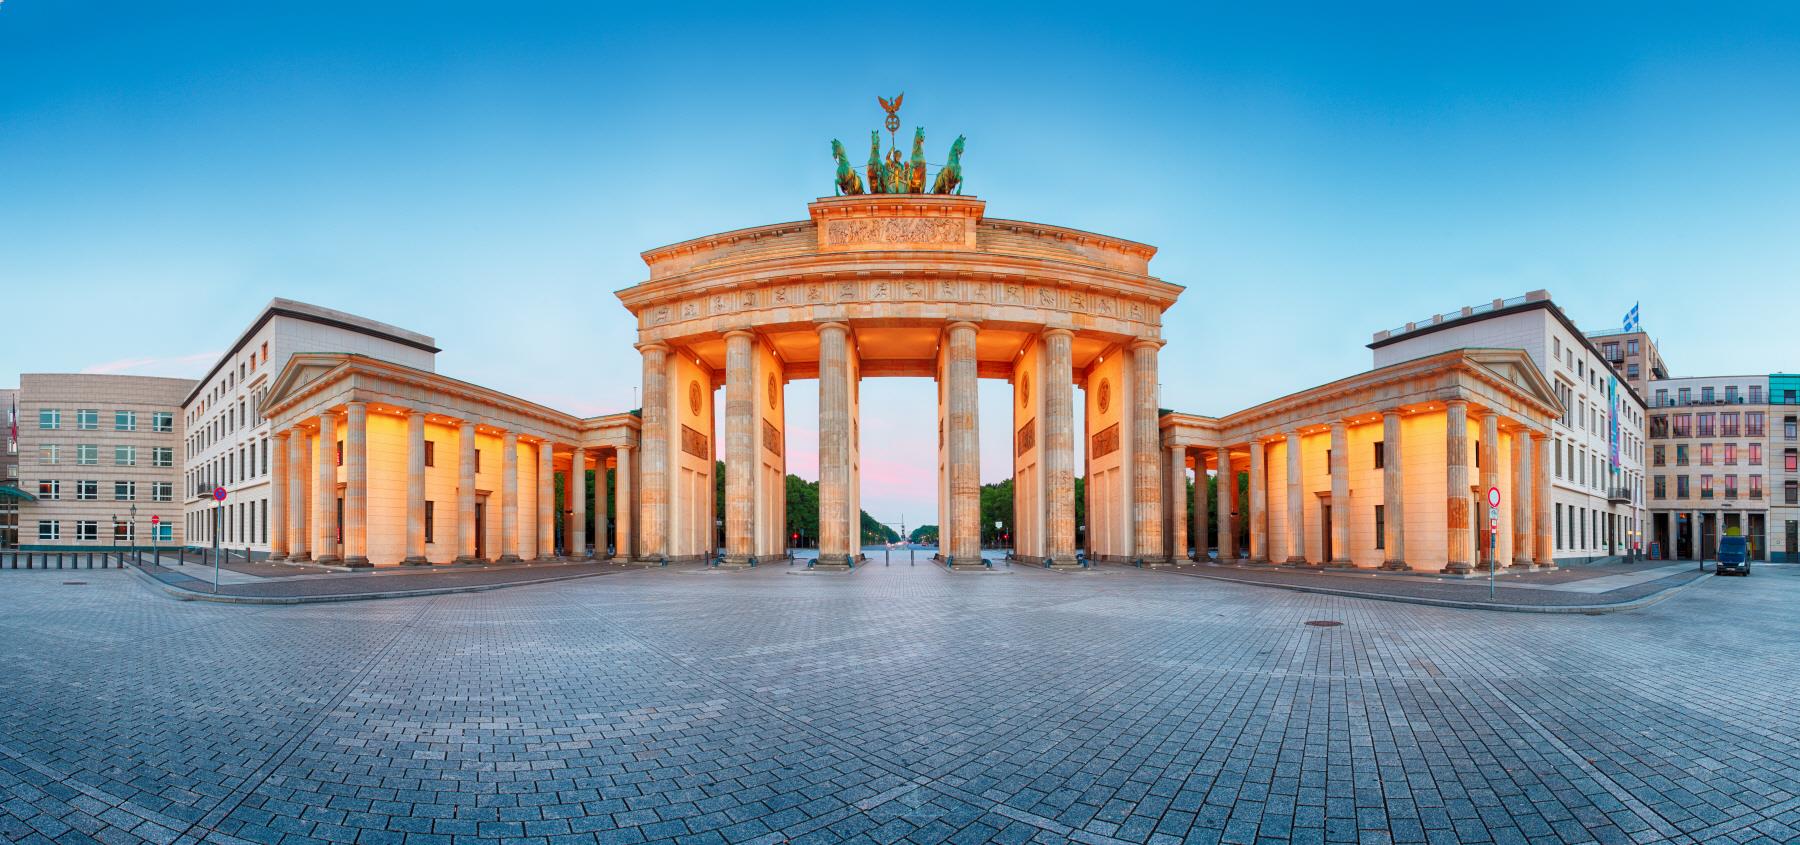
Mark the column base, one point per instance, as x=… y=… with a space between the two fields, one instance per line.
x=737 y=561
x=1457 y=568
x=462 y=560
x=357 y=562
x=1063 y=563
x=1339 y=564
x=1294 y=561
x=1395 y=566
x=328 y=560
x=276 y=557
x=415 y=560
x=834 y=563
x=300 y=557
x=1155 y=562
x=509 y=559
x=1545 y=565
x=967 y=563
x=1520 y=565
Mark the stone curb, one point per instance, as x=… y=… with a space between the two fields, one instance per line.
x=184 y=594
x=1588 y=609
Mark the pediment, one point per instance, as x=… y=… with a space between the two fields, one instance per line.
x=300 y=371
x=1515 y=366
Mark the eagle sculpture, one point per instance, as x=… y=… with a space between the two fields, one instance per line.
x=893 y=106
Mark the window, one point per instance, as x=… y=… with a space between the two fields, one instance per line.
x=1659 y=426
x=88 y=419
x=50 y=491
x=1631 y=370
x=1706 y=454
x=87 y=454
x=1559 y=525
x=125 y=456
x=431 y=453
x=50 y=453
x=87 y=491
x=87 y=529
x=124 y=421
x=1790 y=492
x=1753 y=423
x=1684 y=396
x=1756 y=394
x=1656 y=456
x=124 y=491
x=50 y=419
x=1790 y=460
x=162 y=456
x=1728 y=424
x=162 y=421
x=1731 y=393
x=1631 y=347
x=1380 y=524
x=123 y=532
x=1681 y=487
x=1327 y=461
x=1755 y=458
x=49 y=529
x=1556 y=347
x=1662 y=398
x=162 y=491
x=163 y=532
x=1787 y=427
x=1756 y=487
x=1731 y=454
x=1662 y=487
x=431 y=508
x=1684 y=425
x=477 y=460
x=1706 y=486
x=1706 y=395
x=340 y=453
x=1731 y=488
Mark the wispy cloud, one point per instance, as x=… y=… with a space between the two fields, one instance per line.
x=185 y=366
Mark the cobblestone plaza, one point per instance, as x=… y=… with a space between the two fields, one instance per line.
x=893 y=704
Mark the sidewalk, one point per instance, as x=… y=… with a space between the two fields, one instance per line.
x=309 y=584
x=1578 y=589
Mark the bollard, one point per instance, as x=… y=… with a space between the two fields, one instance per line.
x=59 y=560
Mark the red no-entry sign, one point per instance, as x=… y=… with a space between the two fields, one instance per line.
x=154 y=519
x=1493 y=497
x=218 y=494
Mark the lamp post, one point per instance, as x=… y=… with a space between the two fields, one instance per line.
x=132 y=531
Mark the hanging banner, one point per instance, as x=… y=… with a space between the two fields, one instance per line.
x=1612 y=419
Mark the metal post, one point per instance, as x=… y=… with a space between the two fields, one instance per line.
x=215 y=540
x=1491 y=568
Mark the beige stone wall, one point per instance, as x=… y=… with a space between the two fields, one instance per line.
x=1108 y=484
x=387 y=487
x=691 y=527
x=771 y=491
x=1029 y=493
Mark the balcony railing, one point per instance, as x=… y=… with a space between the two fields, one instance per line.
x=1618 y=495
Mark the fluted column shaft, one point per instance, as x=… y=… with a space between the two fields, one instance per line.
x=278 y=545
x=1490 y=478
x=1543 y=527
x=1175 y=503
x=509 y=498
x=1296 y=502
x=624 y=521
x=356 y=484
x=1202 y=507
x=1259 y=504
x=1521 y=498
x=653 y=498
x=1393 y=493
x=1146 y=458
x=1340 y=495
x=1456 y=486
x=741 y=464
x=962 y=431
x=299 y=536
x=1227 y=496
x=465 y=493
x=546 y=501
x=415 y=488
x=836 y=531
x=575 y=489
x=325 y=497
x=1059 y=446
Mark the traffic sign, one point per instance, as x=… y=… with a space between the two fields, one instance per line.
x=1493 y=526
x=1493 y=513
x=154 y=519
x=218 y=494
x=1493 y=497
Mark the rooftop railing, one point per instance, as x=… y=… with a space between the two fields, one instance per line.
x=1466 y=311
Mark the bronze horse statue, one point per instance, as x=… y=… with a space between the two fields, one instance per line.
x=949 y=179
x=848 y=183
x=915 y=169
x=878 y=176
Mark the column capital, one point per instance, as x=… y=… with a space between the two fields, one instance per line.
x=831 y=324
x=1489 y=412
x=652 y=346
x=282 y=433
x=414 y=412
x=731 y=333
x=624 y=448
x=1390 y=412
x=962 y=323
x=1056 y=331
x=356 y=403
x=1151 y=342
x=1463 y=403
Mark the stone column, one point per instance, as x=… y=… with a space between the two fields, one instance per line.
x=1059 y=447
x=546 y=501
x=1456 y=486
x=465 y=493
x=1175 y=471
x=575 y=490
x=1202 y=507
x=653 y=499
x=1697 y=525
x=1259 y=504
x=356 y=484
x=325 y=497
x=1227 y=496
x=1146 y=457
x=1490 y=478
x=299 y=536
x=741 y=464
x=278 y=546
x=624 y=526
x=1340 y=495
x=1393 y=493
x=415 y=489
x=1521 y=498
x=509 y=498
x=1296 y=502
x=836 y=530
x=962 y=431
x=1543 y=528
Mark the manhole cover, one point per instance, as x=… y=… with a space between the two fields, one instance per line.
x=74 y=583
x=1324 y=623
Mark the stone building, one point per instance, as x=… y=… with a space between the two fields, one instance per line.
x=93 y=451
x=11 y=493
x=227 y=437
x=1710 y=464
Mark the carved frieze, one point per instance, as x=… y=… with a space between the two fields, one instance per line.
x=1106 y=441
x=771 y=437
x=693 y=442
x=902 y=231
x=1027 y=437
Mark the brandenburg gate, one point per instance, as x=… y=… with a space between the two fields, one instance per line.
x=901 y=284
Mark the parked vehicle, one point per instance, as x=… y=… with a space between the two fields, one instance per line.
x=1734 y=556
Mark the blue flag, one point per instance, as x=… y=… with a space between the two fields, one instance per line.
x=1631 y=318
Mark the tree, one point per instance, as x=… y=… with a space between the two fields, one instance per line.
x=996 y=507
x=873 y=531
x=924 y=535
x=802 y=511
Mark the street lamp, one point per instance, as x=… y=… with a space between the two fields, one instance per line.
x=131 y=533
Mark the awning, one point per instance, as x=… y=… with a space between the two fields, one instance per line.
x=7 y=491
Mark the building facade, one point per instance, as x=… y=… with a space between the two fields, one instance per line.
x=1597 y=481
x=1712 y=465
x=12 y=495
x=227 y=442
x=99 y=454
x=1633 y=354
x=1784 y=436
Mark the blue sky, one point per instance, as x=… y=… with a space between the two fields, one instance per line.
x=487 y=173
